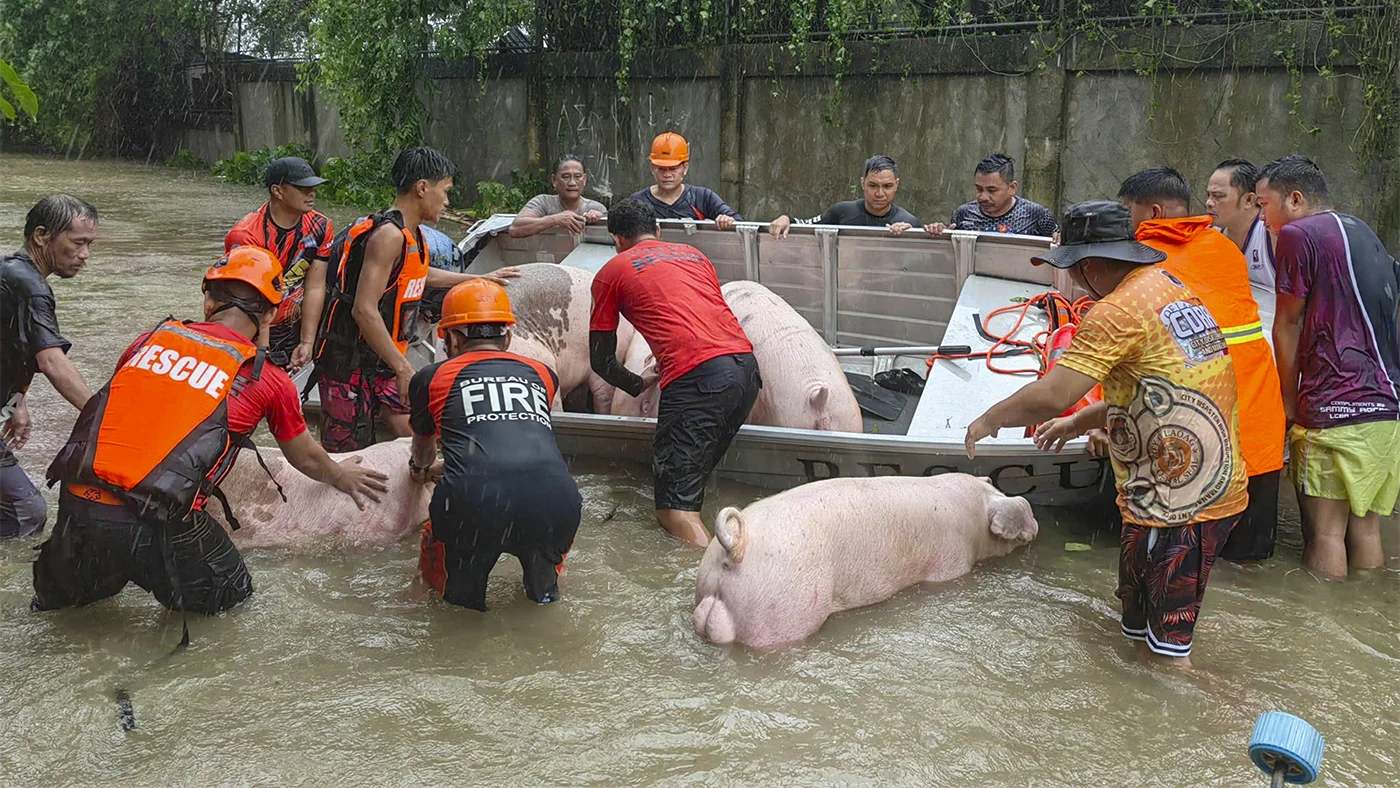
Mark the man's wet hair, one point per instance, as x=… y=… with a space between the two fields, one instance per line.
x=998 y=163
x=880 y=163
x=56 y=213
x=565 y=159
x=1297 y=174
x=1157 y=185
x=241 y=294
x=1243 y=174
x=631 y=219
x=421 y=164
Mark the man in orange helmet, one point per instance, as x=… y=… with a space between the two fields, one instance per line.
x=671 y=197
x=151 y=446
x=504 y=486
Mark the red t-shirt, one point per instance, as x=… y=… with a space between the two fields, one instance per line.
x=671 y=295
x=295 y=247
x=273 y=394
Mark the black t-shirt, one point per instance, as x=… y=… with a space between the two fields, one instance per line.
x=491 y=411
x=28 y=325
x=695 y=202
x=852 y=213
x=1024 y=218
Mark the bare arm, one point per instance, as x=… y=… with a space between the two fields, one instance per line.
x=1288 y=331
x=1039 y=401
x=525 y=226
x=348 y=476
x=440 y=278
x=421 y=457
x=59 y=369
x=381 y=253
x=313 y=300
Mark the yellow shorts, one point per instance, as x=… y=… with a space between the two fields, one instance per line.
x=1357 y=463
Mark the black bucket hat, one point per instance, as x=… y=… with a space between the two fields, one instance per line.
x=1098 y=228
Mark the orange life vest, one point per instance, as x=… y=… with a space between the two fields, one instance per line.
x=1058 y=343
x=340 y=346
x=156 y=437
x=1214 y=269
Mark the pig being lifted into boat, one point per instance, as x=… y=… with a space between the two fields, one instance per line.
x=316 y=515
x=775 y=571
x=552 y=305
x=803 y=385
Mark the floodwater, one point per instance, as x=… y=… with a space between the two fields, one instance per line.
x=334 y=673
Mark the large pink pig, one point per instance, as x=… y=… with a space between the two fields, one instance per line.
x=803 y=385
x=316 y=515
x=775 y=571
x=637 y=359
x=552 y=305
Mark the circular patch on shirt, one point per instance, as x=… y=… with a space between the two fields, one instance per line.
x=1173 y=444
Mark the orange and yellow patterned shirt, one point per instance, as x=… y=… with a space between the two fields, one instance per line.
x=1173 y=421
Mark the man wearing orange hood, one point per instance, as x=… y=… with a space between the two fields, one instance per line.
x=1159 y=201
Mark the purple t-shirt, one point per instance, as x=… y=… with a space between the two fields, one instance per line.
x=1349 y=352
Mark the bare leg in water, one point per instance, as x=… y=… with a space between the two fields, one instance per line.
x=685 y=526
x=1334 y=537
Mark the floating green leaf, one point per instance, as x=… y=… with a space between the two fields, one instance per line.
x=1077 y=547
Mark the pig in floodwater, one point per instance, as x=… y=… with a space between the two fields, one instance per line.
x=775 y=571
x=317 y=515
x=552 y=305
x=803 y=385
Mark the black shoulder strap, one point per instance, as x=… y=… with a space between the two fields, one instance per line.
x=243 y=442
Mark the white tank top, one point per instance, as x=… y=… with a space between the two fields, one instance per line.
x=1259 y=254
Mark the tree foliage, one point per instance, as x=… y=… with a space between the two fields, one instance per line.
x=20 y=92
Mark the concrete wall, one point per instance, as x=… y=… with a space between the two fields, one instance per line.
x=777 y=135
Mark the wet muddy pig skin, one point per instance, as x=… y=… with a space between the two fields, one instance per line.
x=317 y=516
x=637 y=358
x=552 y=305
x=776 y=570
x=803 y=385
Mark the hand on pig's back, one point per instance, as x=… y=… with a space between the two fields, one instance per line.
x=318 y=516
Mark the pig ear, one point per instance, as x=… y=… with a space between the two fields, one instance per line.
x=1012 y=518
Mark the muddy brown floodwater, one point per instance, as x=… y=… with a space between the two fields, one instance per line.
x=333 y=674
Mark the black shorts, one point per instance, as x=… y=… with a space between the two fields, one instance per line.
x=1253 y=539
x=96 y=549
x=534 y=517
x=1162 y=574
x=700 y=413
x=22 y=506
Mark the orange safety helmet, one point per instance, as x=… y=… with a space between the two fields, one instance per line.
x=669 y=149
x=251 y=265
x=473 y=302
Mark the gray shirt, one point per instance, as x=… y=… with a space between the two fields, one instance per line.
x=550 y=204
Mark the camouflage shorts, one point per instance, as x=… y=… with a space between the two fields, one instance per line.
x=349 y=409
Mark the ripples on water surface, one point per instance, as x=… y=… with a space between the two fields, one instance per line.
x=334 y=673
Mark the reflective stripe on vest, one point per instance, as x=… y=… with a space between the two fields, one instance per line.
x=171 y=386
x=1248 y=332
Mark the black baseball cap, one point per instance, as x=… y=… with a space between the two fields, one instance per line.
x=291 y=170
x=1098 y=228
